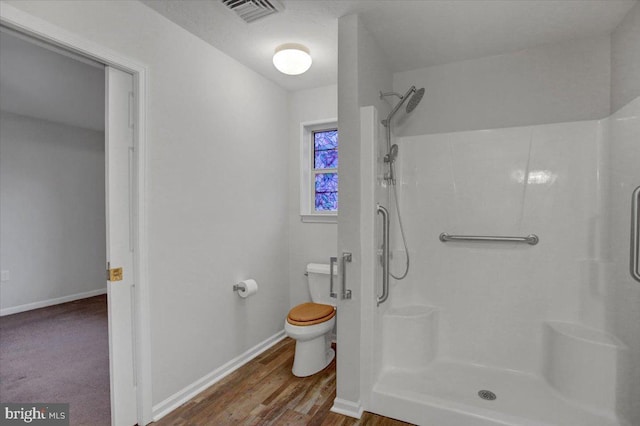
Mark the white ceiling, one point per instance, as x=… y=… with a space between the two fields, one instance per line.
x=41 y=83
x=412 y=34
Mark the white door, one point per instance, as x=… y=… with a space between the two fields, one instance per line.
x=120 y=242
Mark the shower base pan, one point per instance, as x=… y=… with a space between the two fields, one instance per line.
x=448 y=393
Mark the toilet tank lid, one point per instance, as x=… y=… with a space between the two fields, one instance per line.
x=321 y=268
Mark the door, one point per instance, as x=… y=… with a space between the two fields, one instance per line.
x=119 y=152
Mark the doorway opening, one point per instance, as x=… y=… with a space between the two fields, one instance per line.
x=121 y=210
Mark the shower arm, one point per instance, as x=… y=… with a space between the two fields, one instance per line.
x=385 y=94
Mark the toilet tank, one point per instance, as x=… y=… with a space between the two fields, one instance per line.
x=318 y=279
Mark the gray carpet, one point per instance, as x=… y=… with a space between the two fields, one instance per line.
x=59 y=354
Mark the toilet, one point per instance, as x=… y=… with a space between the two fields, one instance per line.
x=310 y=324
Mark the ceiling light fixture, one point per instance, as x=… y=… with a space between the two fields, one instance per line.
x=292 y=59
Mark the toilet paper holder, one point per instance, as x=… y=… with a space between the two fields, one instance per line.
x=246 y=288
x=240 y=286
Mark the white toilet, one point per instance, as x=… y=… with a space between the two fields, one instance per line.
x=310 y=324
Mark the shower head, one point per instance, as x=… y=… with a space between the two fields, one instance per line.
x=415 y=100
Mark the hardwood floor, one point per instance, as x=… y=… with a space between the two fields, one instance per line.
x=264 y=392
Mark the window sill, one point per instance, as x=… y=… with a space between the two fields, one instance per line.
x=319 y=218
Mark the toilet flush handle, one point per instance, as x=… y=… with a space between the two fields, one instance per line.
x=332 y=264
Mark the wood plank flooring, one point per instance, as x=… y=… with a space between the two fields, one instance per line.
x=265 y=392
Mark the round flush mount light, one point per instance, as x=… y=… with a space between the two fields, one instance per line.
x=292 y=59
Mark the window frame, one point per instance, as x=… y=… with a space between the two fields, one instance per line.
x=308 y=212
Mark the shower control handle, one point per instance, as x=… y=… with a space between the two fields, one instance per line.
x=332 y=264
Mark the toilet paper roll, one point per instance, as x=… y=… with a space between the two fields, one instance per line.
x=247 y=288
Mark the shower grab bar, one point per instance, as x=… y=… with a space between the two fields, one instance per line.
x=385 y=254
x=635 y=234
x=332 y=264
x=529 y=239
x=346 y=257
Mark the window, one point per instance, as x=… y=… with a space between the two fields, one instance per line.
x=319 y=172
x=325 y=169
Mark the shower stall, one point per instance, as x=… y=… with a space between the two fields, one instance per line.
x=521 y=304
x=519 y=239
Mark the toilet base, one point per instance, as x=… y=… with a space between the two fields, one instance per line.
x=312 y=356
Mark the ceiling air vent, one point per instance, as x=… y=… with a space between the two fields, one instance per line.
x=252 y=10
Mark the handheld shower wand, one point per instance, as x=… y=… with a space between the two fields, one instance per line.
x=392 y=154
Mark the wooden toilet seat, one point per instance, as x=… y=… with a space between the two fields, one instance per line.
x=310 y=314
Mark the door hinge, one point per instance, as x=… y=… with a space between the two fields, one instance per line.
x=114 y=274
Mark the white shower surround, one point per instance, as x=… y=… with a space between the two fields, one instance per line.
x=508 y=315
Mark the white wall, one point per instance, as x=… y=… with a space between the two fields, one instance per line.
x=625 y=60
x=554 y=83
x=518 y=181
x=218 y=188
x=308 y=242
x=364 y=72
x=52 y=229
x=43 y=83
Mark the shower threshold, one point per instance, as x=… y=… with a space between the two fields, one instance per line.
x=449 y=393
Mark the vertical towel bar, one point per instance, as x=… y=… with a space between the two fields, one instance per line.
x=635 y=234
x=385 y=254
x=346 y=257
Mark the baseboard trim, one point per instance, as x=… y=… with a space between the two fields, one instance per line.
x=347 y=408
x=51 y=302
x=177 y=399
